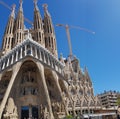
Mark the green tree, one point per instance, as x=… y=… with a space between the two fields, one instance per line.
x=118 y=101
x=69 y=117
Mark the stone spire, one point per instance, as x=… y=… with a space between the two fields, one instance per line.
x=8 y=35
x=86 y=72
x=35 y=5
x=38 y=25
x=13 y=11
x=21 y=8
x=19 y=26
x=88 y=80
x=50 y=39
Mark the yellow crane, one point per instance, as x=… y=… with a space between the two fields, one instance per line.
x=67 y=28
x=8 y=7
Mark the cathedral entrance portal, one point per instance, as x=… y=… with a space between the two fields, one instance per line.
x=29 y=112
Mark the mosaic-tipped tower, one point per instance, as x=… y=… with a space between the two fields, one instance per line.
x=8 y=35
x=34 y=84
x=50 y=40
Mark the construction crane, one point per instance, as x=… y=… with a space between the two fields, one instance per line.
x=67 y=28
x=8 y=7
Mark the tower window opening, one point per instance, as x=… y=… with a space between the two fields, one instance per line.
x=40 y=36
x=12 y=42
x=19 y=53
x=38 y=25
x=6 y=42
x=52 y=42
x=48 y=29
x=38 y=53
x=49 y=42
x=28 y=91
x=37 y=36
x=9 y=41
x=51 y=29
x=41 y=26
x=10 y=30
x=48 y=22
x=20 y=25
x=14 y=56
x=44 y=28
x=20 y=35
x=42 y=55
x=17 y=37
x=34 y=25
x=45 y=42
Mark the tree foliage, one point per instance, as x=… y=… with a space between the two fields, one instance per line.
x=118 y=100
x=69 y=117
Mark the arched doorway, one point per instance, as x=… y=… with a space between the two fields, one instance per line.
x=26 y=91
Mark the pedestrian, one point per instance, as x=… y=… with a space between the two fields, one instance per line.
x=90 y=117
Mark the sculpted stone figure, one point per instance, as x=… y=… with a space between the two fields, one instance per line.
x=10 y=110
x=44 y=112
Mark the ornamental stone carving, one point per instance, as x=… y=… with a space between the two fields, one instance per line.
x=10 y=110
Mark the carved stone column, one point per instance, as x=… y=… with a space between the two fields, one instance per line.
x=55 y=77
x=48 y=59
x=1 y=76
x=12 y=59
x=16 y=55
x=40 y=54
x=8 y=61
x=41 y=71
x=25 y=50
x=5 y=98
x=36 y=56
x=30 y=112
x=10 y=110
x=21 y=51
x=3 y=65
x=44 y=57
x=31 y=49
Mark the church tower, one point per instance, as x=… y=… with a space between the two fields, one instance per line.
x=50 y=40
x=19 y=26
x=34 y=83
x=38 y=26
x=8 y=35
x=31 y=76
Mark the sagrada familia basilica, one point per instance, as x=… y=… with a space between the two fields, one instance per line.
x=34 y=82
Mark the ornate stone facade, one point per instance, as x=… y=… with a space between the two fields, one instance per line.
x=10 y=110
x=34 y=83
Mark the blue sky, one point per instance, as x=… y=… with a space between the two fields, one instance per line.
x=99 y=52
